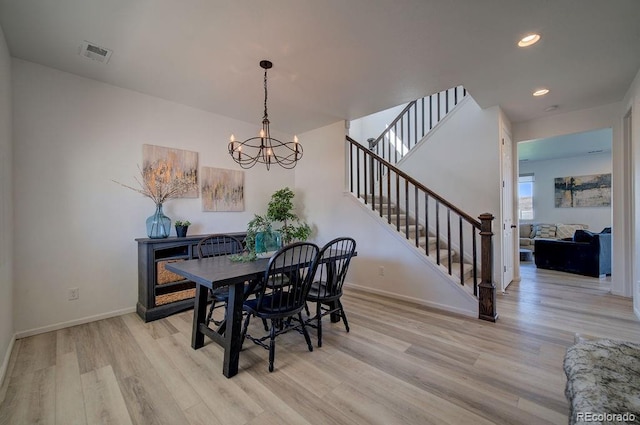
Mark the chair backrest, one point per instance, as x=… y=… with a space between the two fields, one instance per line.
x=287 y=279
x=215 y=245
x=333 y=263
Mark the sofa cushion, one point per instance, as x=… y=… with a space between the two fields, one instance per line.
x=526 y=230
x=546 y=231
x=567 y=230
x=526 y=242
x=583 y=236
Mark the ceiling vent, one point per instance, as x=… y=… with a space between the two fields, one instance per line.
x=95 y=52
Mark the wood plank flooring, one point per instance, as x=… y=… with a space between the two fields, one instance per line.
x=400 y=364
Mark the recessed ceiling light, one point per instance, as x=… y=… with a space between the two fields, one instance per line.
x=541 y=92
x=529 y=40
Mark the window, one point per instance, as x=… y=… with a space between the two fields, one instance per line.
x=525 y=196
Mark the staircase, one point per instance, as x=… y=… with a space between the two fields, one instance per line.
x=431 y=243
x=429 y=223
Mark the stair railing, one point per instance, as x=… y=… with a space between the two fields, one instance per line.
x=414 y=122
x=422 y=204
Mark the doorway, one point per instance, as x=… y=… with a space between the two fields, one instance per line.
x=545 y=163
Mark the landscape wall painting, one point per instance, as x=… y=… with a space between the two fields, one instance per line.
x=583 y=191
x=169 y=163
x=222 y=190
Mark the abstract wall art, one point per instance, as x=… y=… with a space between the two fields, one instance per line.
x=583 y=191
x=222 y=190
x=159 y=162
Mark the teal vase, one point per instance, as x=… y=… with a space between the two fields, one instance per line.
x=158 y=225
x=267 y=243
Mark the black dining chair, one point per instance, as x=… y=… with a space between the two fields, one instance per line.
x=326 y=288
x=213 y=246
x=282 y=294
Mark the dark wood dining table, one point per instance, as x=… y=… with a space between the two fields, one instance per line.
x=213 y=273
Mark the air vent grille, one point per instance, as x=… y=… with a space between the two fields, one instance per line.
x=94 y=52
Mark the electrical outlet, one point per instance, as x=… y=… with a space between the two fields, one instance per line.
x=74 y=294
x=381 y=271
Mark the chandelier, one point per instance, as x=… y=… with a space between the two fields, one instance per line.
x=264 y=148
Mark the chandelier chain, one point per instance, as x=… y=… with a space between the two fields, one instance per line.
x=266 y=116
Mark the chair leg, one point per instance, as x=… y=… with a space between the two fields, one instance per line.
x=306 y=309
x=272 y=345
x=305 y=333
x=244 y=329
x=266 y=325
x=210 y=313
x=319 y=322
x=344 y=316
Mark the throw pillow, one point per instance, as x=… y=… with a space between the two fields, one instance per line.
x=547 y=231
x=567 y=230
x=525 y=230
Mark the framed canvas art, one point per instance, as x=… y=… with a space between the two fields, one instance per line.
x=583 y=191
x=222 y=190
x=170 y=163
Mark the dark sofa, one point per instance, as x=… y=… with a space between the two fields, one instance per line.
x=587 y=253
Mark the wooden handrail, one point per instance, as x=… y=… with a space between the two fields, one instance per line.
x=419 y=185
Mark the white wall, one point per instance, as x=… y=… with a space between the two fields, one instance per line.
x=373 y=125
x=460 y=160
x=544 y=191
x=320 y=184
x=632 y=102
x=606 y=116
x=6 y=209
x=76 y=227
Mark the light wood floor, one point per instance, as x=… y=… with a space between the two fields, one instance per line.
x=400 y=364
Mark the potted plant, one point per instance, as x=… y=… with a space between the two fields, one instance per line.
x=181 y=227
x=263 y=237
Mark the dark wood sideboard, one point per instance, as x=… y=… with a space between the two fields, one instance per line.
x=161 y=292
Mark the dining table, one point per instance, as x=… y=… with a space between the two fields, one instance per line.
x=213 y=273
x=216 y=272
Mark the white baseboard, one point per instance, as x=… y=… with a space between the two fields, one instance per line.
x=5 y=362
x=426 y=303
x=81 y=321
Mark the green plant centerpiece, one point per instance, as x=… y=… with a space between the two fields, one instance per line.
x=279 y=221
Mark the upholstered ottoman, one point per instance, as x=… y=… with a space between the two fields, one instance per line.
x=603 y=382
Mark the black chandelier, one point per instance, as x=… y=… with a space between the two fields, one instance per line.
x=264 y=148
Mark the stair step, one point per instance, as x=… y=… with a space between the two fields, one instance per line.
x=422 y=242
x=412 y=229
x=386 y=208
x=466 y=267
x=443 y=254
x=403 y=219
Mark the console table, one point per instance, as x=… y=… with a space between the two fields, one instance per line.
x=161 y=292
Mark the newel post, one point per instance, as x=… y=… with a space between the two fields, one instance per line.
x=486 y=289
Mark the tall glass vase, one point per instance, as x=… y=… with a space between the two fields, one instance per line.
x=158 y=225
